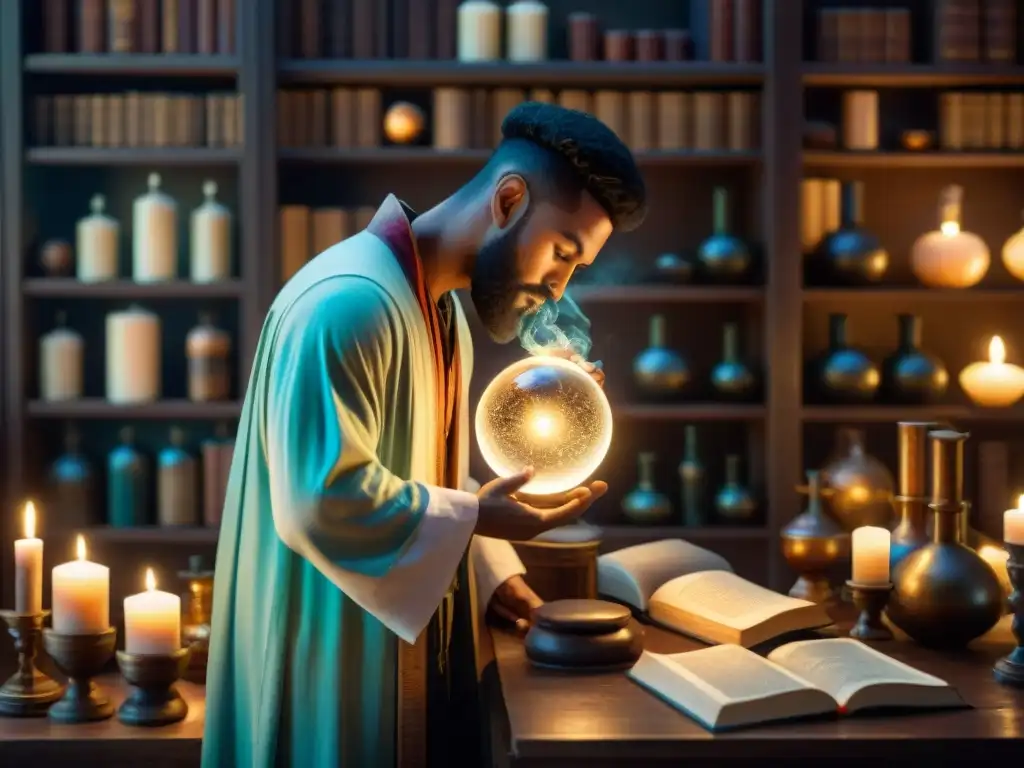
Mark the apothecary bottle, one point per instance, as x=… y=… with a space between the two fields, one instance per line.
x=645 y=504
x=97 y=237
x=208 y=349
x=177 y=483
x=659 y=371
x=210 y=251
x=693 y=479
x=154 y=235
x=72 y=485
x=128 y=484
x=61 y=363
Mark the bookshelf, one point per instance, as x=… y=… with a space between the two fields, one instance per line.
x=781 y=315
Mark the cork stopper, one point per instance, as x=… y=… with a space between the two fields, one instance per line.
x=209 y=190
x=97 y=204
x=950 y=204
x=153 y=182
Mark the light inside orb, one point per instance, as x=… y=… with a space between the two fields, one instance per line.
x=546 y=413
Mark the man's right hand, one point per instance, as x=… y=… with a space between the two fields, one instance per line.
x=502 y=516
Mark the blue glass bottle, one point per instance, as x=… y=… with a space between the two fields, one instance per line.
x=72 y=485
x=177 y=481
x=128 y=485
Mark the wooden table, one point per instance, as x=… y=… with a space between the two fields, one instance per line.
x=563 y=720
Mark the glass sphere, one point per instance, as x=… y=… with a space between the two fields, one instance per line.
x=546 y=413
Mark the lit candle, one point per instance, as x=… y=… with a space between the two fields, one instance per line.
x=152 y=621
x=871 y=555
x=81 y=596
x=28 y=567
x=1013 y=523
x=996 y=383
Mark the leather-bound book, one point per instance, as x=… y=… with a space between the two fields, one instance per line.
x=295 y=230
x=1014 y=134
x=238 y=100
x=712 y=25
x=63 y=121
x=828 y=34
x=169 y=32
x=233 y=124
x=160 y=118
x=91 y=27
x=316 y=115
x=364 y=28
x=121 y=21
x=742 y=121
x=873 y=35
x=115 y=120
x=310 y=26
x=227 y=26
x=56 y=26
x=382 y=41
x=362 y=216
x=399 y=32
x=338 y=22
x=147 y=26
x=98 y=120
x=975 y=112
x=329 y=227
x=42 y=121
x=897 y=35
x=957 y=34
x=747 y=33
x=368 y=117
x=285 y=23
x=641 y=128
x=188 y=20
x=999 y=31
x=503 y=101
x=422 y=29
x=206 y=26
x=286 y=106
x=445 y=43
x=708 y=122
x=670 y=107
x=133 y=119
x=343 y=117
x=213 y=108
x=481 y=117
x=83 y=119
x=848 y=41
x=951 y=121
x=995 y=120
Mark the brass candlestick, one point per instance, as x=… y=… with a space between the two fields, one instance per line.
x=81 y=658
x=1010 y=670
x=153 y=699
x=195 y=629
x=812 y=544
x=870 y=600
x=28 y=692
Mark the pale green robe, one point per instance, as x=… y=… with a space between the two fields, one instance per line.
x=334 y=538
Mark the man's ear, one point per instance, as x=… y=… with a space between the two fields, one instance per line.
x=509 y=200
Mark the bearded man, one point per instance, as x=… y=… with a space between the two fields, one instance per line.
x=343 y=621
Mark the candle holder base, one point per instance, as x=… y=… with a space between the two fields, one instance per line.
x=153 y=699
x=1009 y=670
x=81 y=658
x=28 y=692
x=814 y=587
x=870 y=600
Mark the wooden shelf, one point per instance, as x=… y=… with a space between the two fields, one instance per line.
x=826 y=74
x=640 y=533
x=1004 y=159
x=132 y=65
x=690 y=412
x=98 y=156
x=69 y=288
x=393 y=73
x=403 y=155
x=170 y=410
x=877 y=414
x=151 y=535
x=654 y=294
x=910 y=295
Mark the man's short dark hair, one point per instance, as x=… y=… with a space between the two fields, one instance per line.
x=601 y=163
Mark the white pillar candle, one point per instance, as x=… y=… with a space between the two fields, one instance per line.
x=28 y=567
x=152 y=621
x=81 y=596
x=479 y=31
x=1013 y=523
x=871 y=555
x=526 y=27
x=133 y=344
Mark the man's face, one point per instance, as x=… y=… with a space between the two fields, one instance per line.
x=529 y=258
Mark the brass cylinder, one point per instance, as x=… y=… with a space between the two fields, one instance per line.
x=912 y=437
x=947 y=467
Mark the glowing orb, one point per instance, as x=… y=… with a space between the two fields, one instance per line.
x=546 y=413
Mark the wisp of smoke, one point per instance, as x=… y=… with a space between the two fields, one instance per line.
x=556 y=325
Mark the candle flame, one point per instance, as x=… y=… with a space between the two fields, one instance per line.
x=80 y=547
x=996 y=351
x=30 y=520
x=950 y=228
x=1020 y=502
x=150 y=580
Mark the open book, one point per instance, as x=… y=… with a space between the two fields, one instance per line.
x=727 y=686
x=691 y=590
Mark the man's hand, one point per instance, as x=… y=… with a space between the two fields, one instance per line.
x=595 y=371
x=513 y=602
x=504 y=515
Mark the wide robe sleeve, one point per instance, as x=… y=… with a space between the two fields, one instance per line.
x=390 y=544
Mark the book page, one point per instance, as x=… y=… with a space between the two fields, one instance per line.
x=633 y=574
x=843 y=666
x=726 y=599
x=734 y=673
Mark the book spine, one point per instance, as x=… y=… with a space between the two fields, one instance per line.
x=382 y=41
x=299 y=114
x=97 y=120
x=400 y=39
x=294 y=225
x=343 y=121
x=147 y=26
x=422 y=34
x=451 y=119
x=56 y=26
x=610 y=109
x=858 y=20
x=1014 y=121
x=504 y=100
x=570 y=98
x=206 y=26
x=133 y=119
x=828 y=35
x=874 y=28
x=328 y=225
x=848 y=41
x=995 y=120
x=364 y=28
x=999 y=31
x=310 y=14
x=670 y=110
x=214 y=112
x=169 y=12
x=897 y=35
x=42 y=134
x=115 y=120
x=160 y=120
x=812 y=214
x=951 y=121
x=368 y=117
x=975 y=109
x=723 y=13
x=238 y=100
x=741 y=117
x=316 y=102
x=227 y=26
x=83 y=120
x=188 y=11
x=285 y=34
x=641 y=124
x=91 y=26
x=63 y=121
x=446 y=43
x=482 y=112
x=747 y=33
x=339 y=29
x=121 y=26
x=708 y=122
x=957 y=30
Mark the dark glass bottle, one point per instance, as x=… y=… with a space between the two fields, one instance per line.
x=177 y=483
x=734 y=502
x=911 y=375
x=723 y=257
x=693 y=479
x=731 y=377
x=852 y=255
x=659 y=371
x=128 y=485
x=72 y=485
x=645 y=504
x=845 y=374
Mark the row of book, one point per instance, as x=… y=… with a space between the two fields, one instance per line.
x=471 y=118
x=139 y=26
x=976 y=121
x=869 y=35
x=305 y=232
x=138 y=120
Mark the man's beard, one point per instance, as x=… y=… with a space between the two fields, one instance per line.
x=496 y=287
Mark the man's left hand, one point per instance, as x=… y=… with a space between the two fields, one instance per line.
x=596 y=372
x=513 y=602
